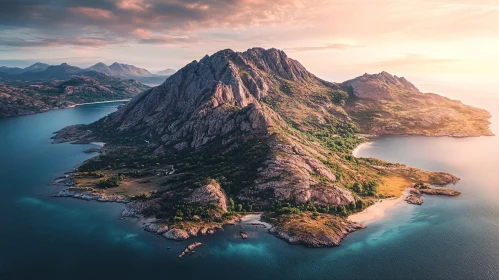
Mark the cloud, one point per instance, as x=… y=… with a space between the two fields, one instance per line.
x=54 y=42
x=336 y=46
x=94 y=13
x=128 y=19
x=302 y=26
x=134 y=5
x=406 y=63
x=411 y=60
x=142 y=33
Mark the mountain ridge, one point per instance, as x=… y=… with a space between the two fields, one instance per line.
x=120 y=70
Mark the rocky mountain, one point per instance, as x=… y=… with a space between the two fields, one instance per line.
x=42 y=96
x=256 y=131
x=385 y=104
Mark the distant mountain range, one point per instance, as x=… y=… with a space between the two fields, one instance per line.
x=166 y=72
x=41 y=87
x=42 y=71
x=37 y=67
x=121 y=70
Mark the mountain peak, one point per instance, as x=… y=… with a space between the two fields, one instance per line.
x=380 y=86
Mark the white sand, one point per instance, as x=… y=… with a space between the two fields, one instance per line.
x=378 y=210
x=360 y=147
x=254 y=219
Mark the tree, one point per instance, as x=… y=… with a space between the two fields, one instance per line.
x=341 y=210
x=357 y=187
x=231 y=203
x=239 y=208
x=361 y=204
x=351 y=205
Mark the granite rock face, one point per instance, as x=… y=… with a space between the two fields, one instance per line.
x=176 y=234
x=209 y=194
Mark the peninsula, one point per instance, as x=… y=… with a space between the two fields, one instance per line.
x=239 y=132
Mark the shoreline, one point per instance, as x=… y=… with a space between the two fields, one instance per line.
x=378 y=210
x=99 y=102
x=360 y=147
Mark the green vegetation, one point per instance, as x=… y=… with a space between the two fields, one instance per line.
x=111 y=182
x=284 y=208
x=337 y=96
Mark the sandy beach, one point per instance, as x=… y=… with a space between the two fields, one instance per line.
x=254 y=219
x=378 y=210
x=360 y=147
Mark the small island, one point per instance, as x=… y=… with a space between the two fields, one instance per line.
x=238 y=133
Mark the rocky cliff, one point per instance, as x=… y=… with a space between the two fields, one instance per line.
x=256 y=131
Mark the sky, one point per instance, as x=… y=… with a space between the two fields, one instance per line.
x=432 y=41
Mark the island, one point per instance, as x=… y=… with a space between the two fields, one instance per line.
x=254 y=131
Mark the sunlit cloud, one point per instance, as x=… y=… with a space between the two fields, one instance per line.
x=134 y=5
x=327 y=36
x=94 y=13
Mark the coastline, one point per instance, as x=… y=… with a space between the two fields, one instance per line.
x=378 y=210
x=99 y=102
x=360 y=147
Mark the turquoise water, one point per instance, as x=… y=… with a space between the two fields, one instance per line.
x=60 y=238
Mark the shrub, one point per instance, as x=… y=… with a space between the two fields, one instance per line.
x=111 y=182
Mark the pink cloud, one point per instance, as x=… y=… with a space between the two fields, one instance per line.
x=142 y=33
x=94 y=13
x=133 y=5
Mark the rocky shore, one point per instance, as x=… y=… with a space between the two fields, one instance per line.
x=90 y=194
x=324 y=231
x=419 y=189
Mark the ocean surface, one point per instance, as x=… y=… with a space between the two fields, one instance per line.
x=42 y=237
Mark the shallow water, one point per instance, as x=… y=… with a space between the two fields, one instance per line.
x=61 y=238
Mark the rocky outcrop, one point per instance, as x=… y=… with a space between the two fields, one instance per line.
x=313 y=233
x=156 y=228
x=90 y=194
x=176 y=234
x=439 y=191
x=190 y=249
x=208 y=194
x=414 y=199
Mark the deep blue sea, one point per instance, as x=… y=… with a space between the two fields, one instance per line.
x=42 y=237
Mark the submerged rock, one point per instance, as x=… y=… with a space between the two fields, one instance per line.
x=190 y=249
